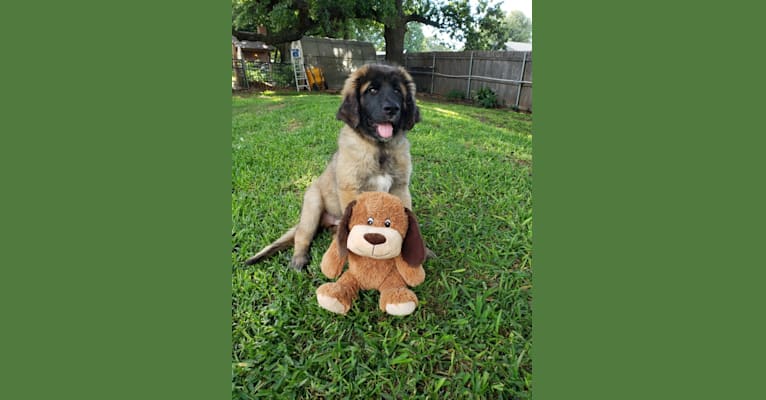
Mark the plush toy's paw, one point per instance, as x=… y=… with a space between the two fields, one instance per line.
x=329 y=269
x=401 y=308
x=398 y=301
x=327 y=298
x=331 y=264
x=331 y=304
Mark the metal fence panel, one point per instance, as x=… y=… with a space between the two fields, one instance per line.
x=246 y=74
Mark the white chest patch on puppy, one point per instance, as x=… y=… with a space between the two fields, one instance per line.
x=381 y=183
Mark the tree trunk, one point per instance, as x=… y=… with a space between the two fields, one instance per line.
x=394 y=36
x=284 y=53
x=393 y=33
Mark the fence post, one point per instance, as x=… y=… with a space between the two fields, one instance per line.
x=521 y=78
x=243 y=63
x=470 y=68
x=433 y=69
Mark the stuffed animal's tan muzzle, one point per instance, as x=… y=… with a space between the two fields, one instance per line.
x=374 y=242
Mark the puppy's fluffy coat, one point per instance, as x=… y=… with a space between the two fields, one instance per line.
x=373 y=154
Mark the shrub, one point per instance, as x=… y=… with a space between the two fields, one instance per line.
x=486 y=97
x=455 y=94
x=255 y=75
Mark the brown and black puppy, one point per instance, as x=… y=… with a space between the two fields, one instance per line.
x=373 y=154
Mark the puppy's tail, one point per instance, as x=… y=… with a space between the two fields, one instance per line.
x=282 y=243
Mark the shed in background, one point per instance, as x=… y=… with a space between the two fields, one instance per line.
x=336 y=57
x=250 y=50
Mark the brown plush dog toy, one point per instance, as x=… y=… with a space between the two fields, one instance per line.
x=381 y=240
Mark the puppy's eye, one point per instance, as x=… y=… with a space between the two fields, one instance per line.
x=370 y=221
x=396 y=89
x=372 y=90
x=387 y=223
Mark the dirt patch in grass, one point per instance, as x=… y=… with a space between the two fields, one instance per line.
x=257 y=91
x=275 y=107
x=437 y=98
x=525 y=163
x=293 y=125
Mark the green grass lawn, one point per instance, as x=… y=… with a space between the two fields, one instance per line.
x=470 y=337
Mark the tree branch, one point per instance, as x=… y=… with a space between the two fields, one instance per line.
x=273 y=39
x=422 y=20
x=296 y=32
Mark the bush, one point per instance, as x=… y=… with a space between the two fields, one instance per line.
x=255 y=75
x=486 y=98
x=455 y=94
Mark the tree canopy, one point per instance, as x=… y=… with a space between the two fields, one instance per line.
x=487 y=29
x=288 y=20
x=520 y=26
x=372 y=20
x=490 y=28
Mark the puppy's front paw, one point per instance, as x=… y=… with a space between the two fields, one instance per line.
x=298 y=262
x=430 y=254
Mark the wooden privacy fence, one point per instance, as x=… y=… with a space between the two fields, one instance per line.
x=507 y=73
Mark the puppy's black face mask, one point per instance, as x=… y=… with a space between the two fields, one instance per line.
x=380 y=113
x=382 y=103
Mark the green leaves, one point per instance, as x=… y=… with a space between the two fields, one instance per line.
x=486 y=97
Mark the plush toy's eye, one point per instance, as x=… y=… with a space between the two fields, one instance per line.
x=370 y=221
x=387 y=223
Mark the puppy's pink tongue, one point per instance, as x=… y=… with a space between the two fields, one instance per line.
x=385 y=130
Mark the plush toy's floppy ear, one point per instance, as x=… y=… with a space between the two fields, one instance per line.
x=413 y=249
x=349 y=110
x=411 y=112
x=343 y=230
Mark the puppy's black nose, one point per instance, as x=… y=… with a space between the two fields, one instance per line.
x=391 y=109
x=374 y=238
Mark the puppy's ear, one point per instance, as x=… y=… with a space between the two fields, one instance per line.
x=411 y=112
x=343 y=229
x=413 y=249
x=349 y=110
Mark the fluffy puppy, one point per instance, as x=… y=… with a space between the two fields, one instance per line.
x=373 y=154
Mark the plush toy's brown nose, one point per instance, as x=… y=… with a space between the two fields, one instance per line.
x=374 y=238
